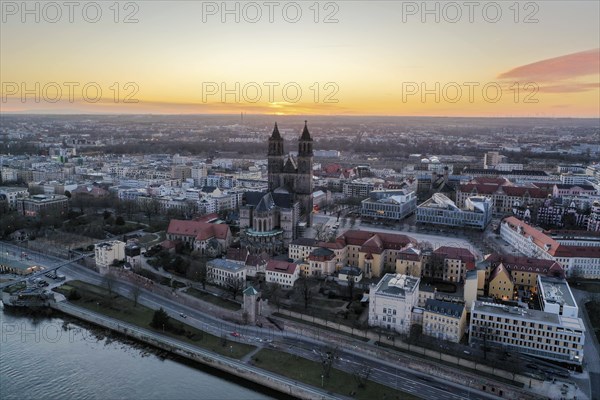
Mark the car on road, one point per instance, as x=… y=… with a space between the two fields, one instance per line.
x=235 y=334
x=182 y=315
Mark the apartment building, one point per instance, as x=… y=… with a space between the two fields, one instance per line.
x=13 y=194
x=107 y=252
x=444 y=320
x=41 y=204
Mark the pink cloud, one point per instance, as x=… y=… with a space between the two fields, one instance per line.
x=570 y=87
x=564 y=67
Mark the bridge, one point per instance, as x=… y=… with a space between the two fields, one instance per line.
x=44 y=271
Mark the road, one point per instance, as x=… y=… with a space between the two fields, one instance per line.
x=394 y=375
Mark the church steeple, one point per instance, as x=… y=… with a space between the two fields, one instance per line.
x=275 y=143
x=305 y=143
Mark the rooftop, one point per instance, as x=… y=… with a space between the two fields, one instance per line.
x=226 y=264
x=396 y=285
x=555 y=290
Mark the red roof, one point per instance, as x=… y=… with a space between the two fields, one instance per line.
x=526 y=264
x=374 y=242
x=283 y=267
x=457 y=253
x=198 y=229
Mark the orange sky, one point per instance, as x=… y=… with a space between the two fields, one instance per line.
x=359 y=57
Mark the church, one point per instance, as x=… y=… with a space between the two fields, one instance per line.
x=271 y=220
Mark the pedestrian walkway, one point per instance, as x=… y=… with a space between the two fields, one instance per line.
x=249 y=356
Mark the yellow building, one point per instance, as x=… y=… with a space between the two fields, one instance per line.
x=409 y=262
x=524 y=271
x=501 y=284
x=444 y=320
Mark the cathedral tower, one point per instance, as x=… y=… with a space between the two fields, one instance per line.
x=304 y=179
x=275 y=159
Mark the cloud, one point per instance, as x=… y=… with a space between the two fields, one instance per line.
x=569 y=66
x=570 y=87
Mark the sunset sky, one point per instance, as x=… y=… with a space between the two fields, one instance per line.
x=376 y=59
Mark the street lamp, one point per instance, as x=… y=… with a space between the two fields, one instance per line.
x=322 y=380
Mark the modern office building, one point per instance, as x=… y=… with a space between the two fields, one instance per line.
x=538 y=333
x=440 y=210
x=388 y=205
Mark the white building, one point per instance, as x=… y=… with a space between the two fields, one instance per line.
x=283 y=273
x=12 y=194
x=440 y=210
x=107 y=252
x=388 y=205
x=391 y=302
x=555 y=296
x=538 y=333
x=225 y=272
x=579 y=258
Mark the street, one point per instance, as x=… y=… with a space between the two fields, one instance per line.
x=394 y=375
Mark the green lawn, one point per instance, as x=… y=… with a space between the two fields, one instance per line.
x=97 y=299
x=309 y=372
x=217 y=301
x=308 y=321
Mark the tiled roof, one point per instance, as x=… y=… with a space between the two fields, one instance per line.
x=281 y=266
x=444 y=308
x=198 y=229
x=381 y=242
x=526 y=264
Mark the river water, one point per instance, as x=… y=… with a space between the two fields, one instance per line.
x=61 y=358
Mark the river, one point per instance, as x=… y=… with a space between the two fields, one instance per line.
x=60 y=358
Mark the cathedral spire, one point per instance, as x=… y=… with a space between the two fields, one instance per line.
x=275 y=134
x=305 y=134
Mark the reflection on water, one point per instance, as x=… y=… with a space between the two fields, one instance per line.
x=54 y=358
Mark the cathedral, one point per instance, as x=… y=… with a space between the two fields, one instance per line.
x=271 y=220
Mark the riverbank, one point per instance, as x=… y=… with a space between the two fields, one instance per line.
x=212 y=360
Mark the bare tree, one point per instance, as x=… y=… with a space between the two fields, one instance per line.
x=328 y=358
x=235 y=286
x=135 y=293
x=351 y=283
x=198 y=271
x=304 y=288
x=150 y=208
x=274 y=294
x=109 y=283
x=361 y=375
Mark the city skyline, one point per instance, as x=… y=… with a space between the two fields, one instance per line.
x=527 y=60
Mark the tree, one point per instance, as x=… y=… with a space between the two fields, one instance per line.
x=274 y=294
x=361 y=375
x=198 y=271
x=328 y=358
x=234 y=285
x=109 y=283
x=304 y=288
x=135 y=293
x=160 y=319
x=351 y=284
x=150 y=208
x=119 y=220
